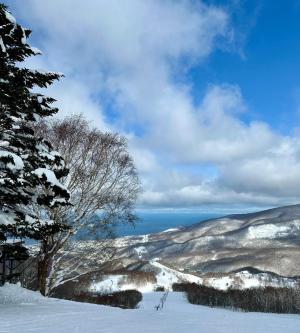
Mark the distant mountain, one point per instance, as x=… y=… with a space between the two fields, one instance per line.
x=267 y=241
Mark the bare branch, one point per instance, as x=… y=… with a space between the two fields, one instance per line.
x=102 y=181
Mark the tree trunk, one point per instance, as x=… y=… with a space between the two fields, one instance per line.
x=43 y=270
x=44 y=265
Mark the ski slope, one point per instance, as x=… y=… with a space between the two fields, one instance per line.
x=23 y=311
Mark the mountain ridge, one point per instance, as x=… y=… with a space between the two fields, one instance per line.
x=224 y=240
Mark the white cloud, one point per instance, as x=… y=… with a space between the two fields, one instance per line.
x=127 y=54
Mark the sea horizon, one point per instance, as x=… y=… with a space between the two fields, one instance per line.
x=158 y=220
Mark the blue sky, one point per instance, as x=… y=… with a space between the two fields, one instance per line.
x=207 y=92
x=268 y=70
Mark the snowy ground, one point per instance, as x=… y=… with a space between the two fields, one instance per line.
x=25 y=311
x=166 y=277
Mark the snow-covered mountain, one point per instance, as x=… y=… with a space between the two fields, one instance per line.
x=267 y=240
x=239 y=251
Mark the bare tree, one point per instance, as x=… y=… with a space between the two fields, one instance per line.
x=103 y=184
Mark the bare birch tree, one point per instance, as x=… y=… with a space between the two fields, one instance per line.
x=103 y=184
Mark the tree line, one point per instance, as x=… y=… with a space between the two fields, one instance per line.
x=260 y=299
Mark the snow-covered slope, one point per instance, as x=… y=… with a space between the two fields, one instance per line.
x=34 y=313
x=165 y=277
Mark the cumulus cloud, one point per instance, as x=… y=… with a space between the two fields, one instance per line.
x=121 y=60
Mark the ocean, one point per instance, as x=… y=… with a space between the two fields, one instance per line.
x=151 y=222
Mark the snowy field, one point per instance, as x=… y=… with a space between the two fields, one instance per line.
x=24 y=311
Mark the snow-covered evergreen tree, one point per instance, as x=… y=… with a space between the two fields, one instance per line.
x=29 y=169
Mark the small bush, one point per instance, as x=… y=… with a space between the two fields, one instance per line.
x=269 y=299
x=139 y=278
x=180 y=286
x=127 y=299
x=160 y=288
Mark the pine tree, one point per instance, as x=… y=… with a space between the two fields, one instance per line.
x=29 y=169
